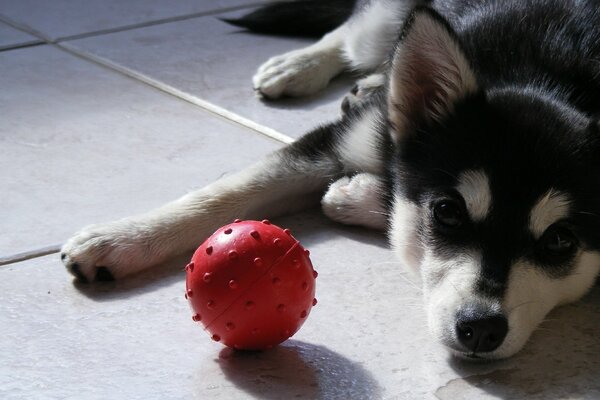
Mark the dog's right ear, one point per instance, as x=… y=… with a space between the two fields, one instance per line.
x=429 y=73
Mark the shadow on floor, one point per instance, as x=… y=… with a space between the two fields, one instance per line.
x=309 y=227
x=335 y=92
x=298 y=370
x=167 y=274
x=560 y=359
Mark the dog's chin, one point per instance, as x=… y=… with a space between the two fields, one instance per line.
x=459 y=353
x=474 y=357
x=496 y=355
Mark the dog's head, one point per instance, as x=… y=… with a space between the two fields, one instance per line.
x=497 y=193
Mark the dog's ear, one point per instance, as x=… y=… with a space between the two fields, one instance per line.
x=429 y=73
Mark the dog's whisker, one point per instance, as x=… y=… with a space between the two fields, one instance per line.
x=413 y=284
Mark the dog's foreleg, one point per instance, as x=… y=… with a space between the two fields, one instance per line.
x=288 y=180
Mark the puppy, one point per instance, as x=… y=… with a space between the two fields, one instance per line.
x=474 y=141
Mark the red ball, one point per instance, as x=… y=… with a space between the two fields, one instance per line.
x=251 y=284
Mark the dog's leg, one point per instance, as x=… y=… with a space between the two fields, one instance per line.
x=356 y=201
x=291 y=179
x=362 y=44
x=304 y=71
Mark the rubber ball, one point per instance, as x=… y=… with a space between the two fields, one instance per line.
x=251 y=285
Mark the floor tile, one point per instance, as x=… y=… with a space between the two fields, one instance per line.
x=10 y=37
x=215 y=62
x=81 y=144
x=61 y=18
x=364 y=339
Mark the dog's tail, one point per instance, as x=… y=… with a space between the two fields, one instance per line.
x=307 y=18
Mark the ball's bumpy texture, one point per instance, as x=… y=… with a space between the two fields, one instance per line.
x=251 y=284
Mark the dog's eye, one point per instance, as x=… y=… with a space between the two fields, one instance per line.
x=448 y=213
x=558 y=241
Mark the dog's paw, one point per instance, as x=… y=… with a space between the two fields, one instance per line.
x=355 y=201
x=105 y=252
x=297 y=73
x=362 y=91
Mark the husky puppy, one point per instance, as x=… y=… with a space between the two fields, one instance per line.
x=475 y=141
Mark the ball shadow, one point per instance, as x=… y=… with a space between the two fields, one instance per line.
x=297 y=369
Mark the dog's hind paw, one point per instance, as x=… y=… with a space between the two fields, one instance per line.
x=297 y=73
x=105 y=252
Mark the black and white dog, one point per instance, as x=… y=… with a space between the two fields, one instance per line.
x=475 y=142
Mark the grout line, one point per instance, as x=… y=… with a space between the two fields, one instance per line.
x=31 y=43
x=212 y=108
x=226 y=114
x=156 y=22
x=28 y=255
x=25 y=28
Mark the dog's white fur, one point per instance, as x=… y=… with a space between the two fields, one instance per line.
x=474 y=186
x=551 y=207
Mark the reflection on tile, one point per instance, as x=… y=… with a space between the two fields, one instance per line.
x=215 y=62
x=62 y=18
x=10 y=37
x=365 y=338
x=84 y=145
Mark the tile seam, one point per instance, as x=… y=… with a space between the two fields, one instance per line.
x=207 y=106
x=160 y=21
x=179 y=94
x=29 y=255
x=32 y=31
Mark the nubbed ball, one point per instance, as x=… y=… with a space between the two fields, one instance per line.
x=251 y=285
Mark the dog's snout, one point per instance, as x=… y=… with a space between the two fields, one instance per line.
x=480 y=331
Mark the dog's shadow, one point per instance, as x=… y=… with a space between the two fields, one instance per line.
x=339 y=87
x=297 y=369
x=309 y=227
x=169 y=273
x=561 y=360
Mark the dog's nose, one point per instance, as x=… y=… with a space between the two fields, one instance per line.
x=480 y=331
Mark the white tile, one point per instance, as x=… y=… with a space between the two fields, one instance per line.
x=10 y=37
x=81 y=144
x=61 y=18
x=364 y=340
x=208 y=59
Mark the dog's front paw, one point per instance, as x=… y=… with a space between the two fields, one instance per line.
x=297 y=73
x=355 y=201
x=105 y=252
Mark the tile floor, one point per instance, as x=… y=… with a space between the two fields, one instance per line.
x=109 y=108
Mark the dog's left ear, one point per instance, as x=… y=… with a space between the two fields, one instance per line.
x=429 y=73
